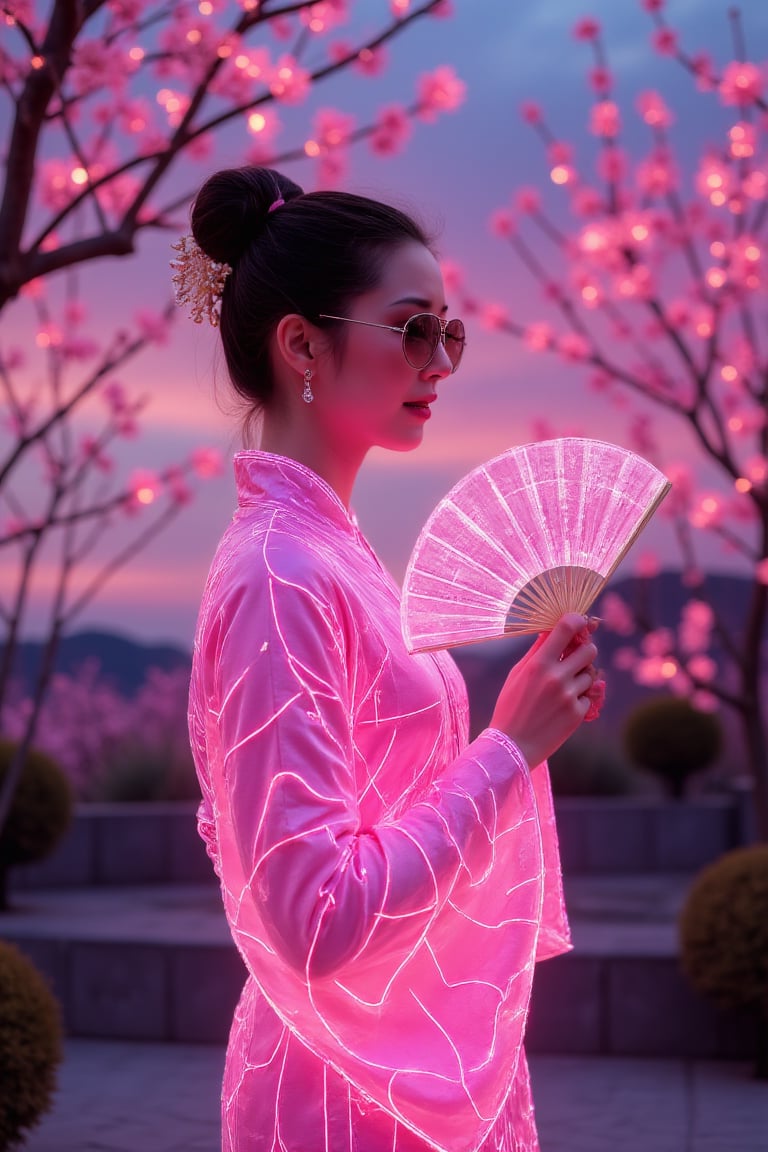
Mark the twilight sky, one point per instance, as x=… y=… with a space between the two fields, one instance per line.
x=454 y=174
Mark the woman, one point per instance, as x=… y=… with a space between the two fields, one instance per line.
x=388 y=884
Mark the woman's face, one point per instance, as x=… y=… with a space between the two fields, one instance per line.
x=369 y=395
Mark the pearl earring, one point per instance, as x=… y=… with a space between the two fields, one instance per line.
x=306 y=395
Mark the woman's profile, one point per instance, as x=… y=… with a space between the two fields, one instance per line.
x=388 y=882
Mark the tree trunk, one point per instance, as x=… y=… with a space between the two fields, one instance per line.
x=757 y=755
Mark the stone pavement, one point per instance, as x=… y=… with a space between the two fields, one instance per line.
x=137 y=1097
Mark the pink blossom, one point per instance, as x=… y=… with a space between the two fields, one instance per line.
x=281 y=27
x=657 y=643
x=756 y=469
x=494 y=316
x=652 y=5
x=439 y=91
x=531 y=112
x=612 y=165
x=604 y=119
x=528 y=200
x=656 y=176
x=601 y=80
x=502 y=223
x=647 y=565
x=625 y=659
x=55 y=187
x=586 y=29
x=75 y=313
x=665 y=41
x=289 y=81
x=573 y=346
x=707 y=510
x=78 y=347
x=143 y=488
x=702 y=667
x=91 y=451
x=761 y=571
x=741 y=83
x=96 y=64
x=332 y=128
x=641 y=435
x=332 y=168
x=704 y=71
x=325 y=15
x=616 y=614
x=539 y=337
x=560 y=152
x=586 y=201
x=654 y=110
x=242 y=70
x=207 y=462
x=452 y=274
x=178 y=488
x=152 y=326
x=392 y=130
x=443 y=10
x=371 y=61
x=679 y=499
x=115 y=396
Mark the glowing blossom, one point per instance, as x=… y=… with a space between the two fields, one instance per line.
x=324 y=15
x=502 y=223
x=665 y=41
x=207 y=462
x=586 y=29
x=439 y=91
x=143 y=487
x=654 y=110
x=391 y=131
x=605 y=119
x=531 y=112
x=332 y=128
x=741 y=83
x=616 y=614
x=289 y=82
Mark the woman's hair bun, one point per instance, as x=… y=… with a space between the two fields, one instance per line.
x=232 y=207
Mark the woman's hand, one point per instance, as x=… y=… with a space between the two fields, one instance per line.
x=547 y=694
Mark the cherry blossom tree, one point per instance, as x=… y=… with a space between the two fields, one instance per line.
x=652 y=283
x=112 y=104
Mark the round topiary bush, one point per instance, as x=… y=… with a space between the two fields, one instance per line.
x=724 y=936
x=671 y=738
x=587 y=766
x=40 y=814
x=30 y=1046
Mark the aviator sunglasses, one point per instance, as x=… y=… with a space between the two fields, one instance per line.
x=421 y=335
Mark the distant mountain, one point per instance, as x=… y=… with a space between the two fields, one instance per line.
x=124 y=662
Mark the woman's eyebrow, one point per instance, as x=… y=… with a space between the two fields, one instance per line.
x=419 y=301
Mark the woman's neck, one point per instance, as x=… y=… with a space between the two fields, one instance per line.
x=338 y=468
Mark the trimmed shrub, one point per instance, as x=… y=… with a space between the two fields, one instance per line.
x=672 y=739
x=40 y=813
x=30 y=1047
x=587 y=766
x=724 y=936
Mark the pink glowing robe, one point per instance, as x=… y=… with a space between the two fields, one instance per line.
x=389 y=884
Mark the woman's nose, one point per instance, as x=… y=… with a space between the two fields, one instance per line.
x=440 y=365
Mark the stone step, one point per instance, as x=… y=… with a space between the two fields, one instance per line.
x=113 y=844
x=157 y=963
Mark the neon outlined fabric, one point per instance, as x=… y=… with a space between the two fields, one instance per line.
x=388 y=883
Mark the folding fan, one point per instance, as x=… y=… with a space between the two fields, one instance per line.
x=533 y=533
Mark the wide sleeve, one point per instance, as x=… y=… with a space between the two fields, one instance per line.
x=402 y=950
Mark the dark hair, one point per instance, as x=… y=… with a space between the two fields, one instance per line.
x=314 y=253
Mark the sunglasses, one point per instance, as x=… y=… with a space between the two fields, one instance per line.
x=421 y=336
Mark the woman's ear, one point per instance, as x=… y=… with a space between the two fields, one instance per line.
x=297 y=342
